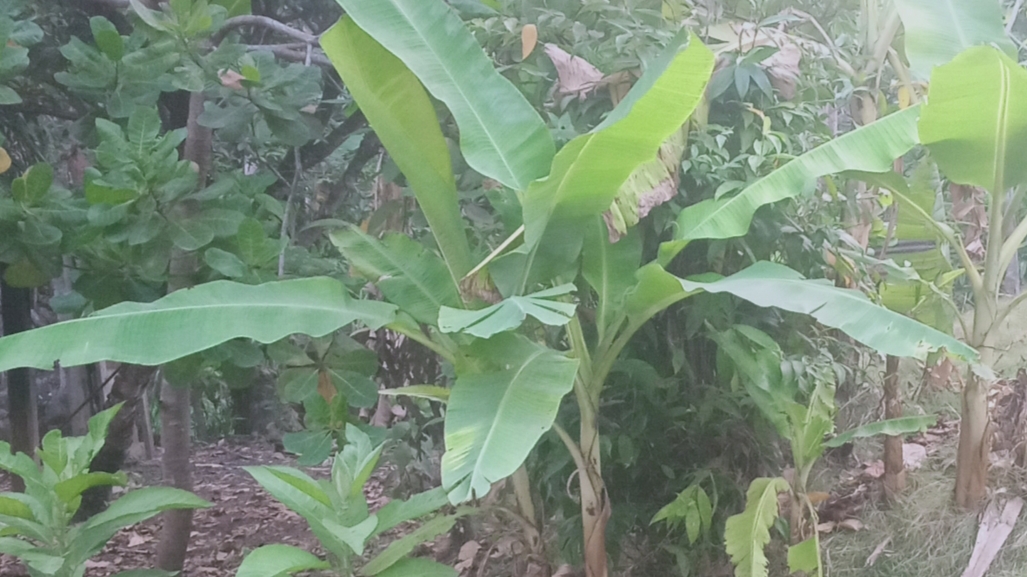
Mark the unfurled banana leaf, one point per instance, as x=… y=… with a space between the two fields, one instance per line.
x=938 y=30
x=510 y=313
x=192 y=320
x=975 y=123
x=773 y=285
x=871 y=148
x=397 y=107
x=589 y=171
x=407 y=273
x=501 y=135
x=747 y=533
x=494 y=419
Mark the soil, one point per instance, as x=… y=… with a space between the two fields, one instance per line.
x=242 y=516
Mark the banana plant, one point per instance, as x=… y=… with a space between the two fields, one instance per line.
x=509 y=382
x=512 y=373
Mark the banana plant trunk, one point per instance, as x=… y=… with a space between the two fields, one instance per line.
x=595 y=508
x=894 y=468
x=972 y=457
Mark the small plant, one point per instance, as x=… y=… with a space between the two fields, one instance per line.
x=797 y=397
x=337 y=513
x=36 y=527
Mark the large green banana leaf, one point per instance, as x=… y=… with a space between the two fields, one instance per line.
x=938 y=30
x=403 y=117
x=609 y=268
x=768 y=284
x=494 y=419
x=975 y=123
x=501 y=135
x=871 y=148
x=189 y=321
x=408 y=274
x=589 y=171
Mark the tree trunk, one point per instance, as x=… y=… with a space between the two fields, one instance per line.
x=894 y=468
x=129 y=388
x=174 y=400
x=16 y=314
x=595 y=508
x=175 y=430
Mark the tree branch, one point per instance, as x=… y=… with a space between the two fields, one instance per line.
x=285 y=52
x=263 y=22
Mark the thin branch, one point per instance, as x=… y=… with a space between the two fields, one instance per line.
x=1009 y=308
x=284 y=52
x=572 y=446
x=262 y=22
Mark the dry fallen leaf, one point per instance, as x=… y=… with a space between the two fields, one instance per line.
x=136 y=540
x=877 y=553
x=529 y=39
x=851 y=525
x=825 y=527
x=468 y=552
x=913 y=455
x=5 y=161
x=874 y=470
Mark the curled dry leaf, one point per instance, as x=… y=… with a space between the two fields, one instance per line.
x=575 y=75
x=851 y=525
x=231 y=79
x=529 y=39
x=783 y=65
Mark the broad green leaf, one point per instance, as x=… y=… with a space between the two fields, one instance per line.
x=107 y=38
x=417 y=506
x=610 y=270
x=693 y=507
x=313 y=447
x=418 y=567
x=510 y=313
x=354 y=537
x=294 y=488
x=69 y=489
x=134 y=507
x=975 y=123
x=494 y=419
x=938 y=30
x=871 y=148
x=193 y=320
x=408 y=274
x=769 y=284
x=892 y=427
x=32 y=186
x=360 y=390
x=355 y=463
x=190 y=234
x=404 y=545
x=501 y=135
x=805 y=556
x=34 y=557
x=588 y=172
x=403 y=117
x=746 y=534
x=278 y=561
x=225 y=262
